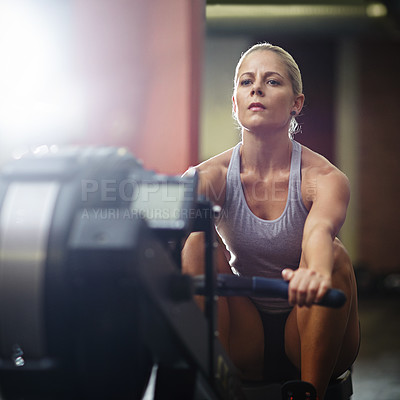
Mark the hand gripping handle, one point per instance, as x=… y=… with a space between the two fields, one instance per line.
x=333 y=298
x=232 y=285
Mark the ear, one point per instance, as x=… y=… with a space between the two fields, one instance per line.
x=298 y=103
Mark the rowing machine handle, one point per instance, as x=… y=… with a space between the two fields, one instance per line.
x=333 y=298
x=232 y=285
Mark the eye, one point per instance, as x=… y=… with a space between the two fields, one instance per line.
x=245 y=82
x=273 y=82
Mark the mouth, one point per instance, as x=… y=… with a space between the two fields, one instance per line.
x=256 y=107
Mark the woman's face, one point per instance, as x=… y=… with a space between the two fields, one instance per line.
x=264 y=98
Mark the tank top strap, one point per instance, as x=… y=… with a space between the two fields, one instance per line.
x=234 y=164
x=233 y=183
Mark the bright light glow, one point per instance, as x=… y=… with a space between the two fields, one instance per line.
x=376 y=10
x=39 y=102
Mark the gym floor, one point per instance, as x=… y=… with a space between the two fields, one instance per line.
x=376 y=372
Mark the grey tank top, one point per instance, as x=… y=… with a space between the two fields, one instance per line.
x=261 y=247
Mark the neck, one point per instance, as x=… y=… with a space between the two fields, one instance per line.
x=265 y=154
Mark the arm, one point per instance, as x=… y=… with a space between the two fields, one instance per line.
x=212 y=177
x=328 y=211
x=212 y=185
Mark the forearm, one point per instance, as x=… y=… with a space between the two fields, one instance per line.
x=317 y=250
x=309 y=283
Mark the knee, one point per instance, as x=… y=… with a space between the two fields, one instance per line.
x=193 y=261
x=193 y=254
x=341 y=257
x=343 y=271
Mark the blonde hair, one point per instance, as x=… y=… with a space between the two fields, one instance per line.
x=291 y=67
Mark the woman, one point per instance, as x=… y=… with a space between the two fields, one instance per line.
x=282 y=207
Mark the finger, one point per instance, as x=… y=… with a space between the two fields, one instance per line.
x=323 y=288
x=307 y=288
x=292 y=293
x=312 y=291
x=301 y=293
x=287 y=274
x=293 y=286
x=297 y=289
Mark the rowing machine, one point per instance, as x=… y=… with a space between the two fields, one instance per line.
x=91 y=291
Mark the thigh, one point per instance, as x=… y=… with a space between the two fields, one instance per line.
x=341 y=324
x=239 y=323
x=277 y=366
x=347 y=282
x=246 y=337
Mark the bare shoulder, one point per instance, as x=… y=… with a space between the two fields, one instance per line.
x=212 y=176
x=320 y=173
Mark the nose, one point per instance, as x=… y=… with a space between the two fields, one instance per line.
x=256 y=89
